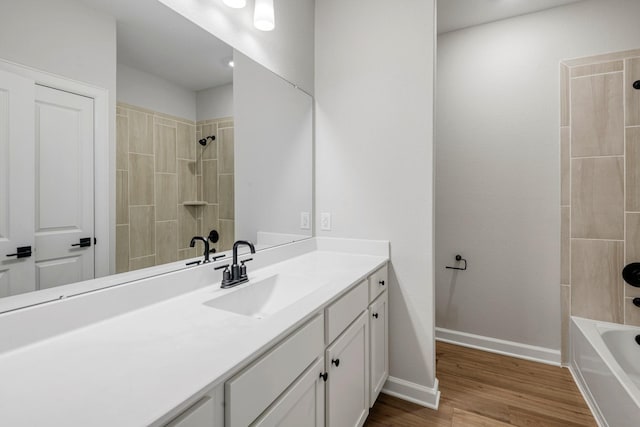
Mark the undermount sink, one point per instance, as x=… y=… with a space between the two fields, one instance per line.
x=264 y=297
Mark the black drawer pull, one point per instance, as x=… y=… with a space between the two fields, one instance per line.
x=335 y=362
x=381 y=282
x=375 y=315
x=22 y=252
x=85 y=242
x=324 y=376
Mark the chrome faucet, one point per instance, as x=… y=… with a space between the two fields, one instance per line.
x=238 y=273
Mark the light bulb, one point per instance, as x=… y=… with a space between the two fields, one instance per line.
x=264 y=16
x=236 y=4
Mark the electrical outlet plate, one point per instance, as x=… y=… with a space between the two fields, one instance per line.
x=325 y=221
x=305 y=221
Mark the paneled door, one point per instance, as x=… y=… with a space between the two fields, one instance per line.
x=64 y=216
x=17 y=274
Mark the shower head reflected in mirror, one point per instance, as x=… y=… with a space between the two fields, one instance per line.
x=204 y=141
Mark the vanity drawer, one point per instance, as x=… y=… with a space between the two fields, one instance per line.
x=250 y=392
x=341 y=313
x=378 y=282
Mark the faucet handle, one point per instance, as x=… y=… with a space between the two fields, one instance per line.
x=246 y=260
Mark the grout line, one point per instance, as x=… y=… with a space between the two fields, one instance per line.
x=596 y=240
x=614 y=156
x=596 y=74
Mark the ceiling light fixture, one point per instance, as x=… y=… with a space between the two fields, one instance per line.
x=236 y=4
x=264 y=15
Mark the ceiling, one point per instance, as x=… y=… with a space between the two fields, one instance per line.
x=153 y=38
x=457 y=14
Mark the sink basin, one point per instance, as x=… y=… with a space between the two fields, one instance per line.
x=264 y=297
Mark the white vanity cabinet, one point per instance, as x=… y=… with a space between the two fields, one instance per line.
x=378 y=345
x=302 y=405
x=347 y=363
x=378 y=332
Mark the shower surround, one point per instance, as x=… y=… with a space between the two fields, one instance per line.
x=600 y=188
x=169 y=188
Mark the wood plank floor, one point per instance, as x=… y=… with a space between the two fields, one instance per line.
x=480 y=389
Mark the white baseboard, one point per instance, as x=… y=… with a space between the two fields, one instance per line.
x=412 y=392
x=494 y=345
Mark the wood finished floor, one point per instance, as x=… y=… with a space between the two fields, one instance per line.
x=480 y=389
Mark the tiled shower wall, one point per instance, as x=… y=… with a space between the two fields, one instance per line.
x=169 y=188
x=600 y=187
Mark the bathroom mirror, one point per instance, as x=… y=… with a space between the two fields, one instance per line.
x=201 y=145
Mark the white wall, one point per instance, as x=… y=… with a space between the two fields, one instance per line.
x=498 y=165
x=142 y=89
x=287 y=50
x=374 y=142
x=215 y=103
x=273 y=152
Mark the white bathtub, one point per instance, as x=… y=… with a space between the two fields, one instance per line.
x=605 y=361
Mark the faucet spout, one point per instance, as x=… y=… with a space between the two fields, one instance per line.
x=238 y=273
x=192 y=244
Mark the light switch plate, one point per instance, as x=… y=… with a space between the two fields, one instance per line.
x=305 y=221
x=325 y=221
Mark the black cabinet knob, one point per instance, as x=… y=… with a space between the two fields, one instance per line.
x=324 y=376
x=335 y=362
x=375 y=315
x=636 y=85
x=381 y=282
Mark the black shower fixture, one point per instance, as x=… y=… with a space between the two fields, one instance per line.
x=204 y=141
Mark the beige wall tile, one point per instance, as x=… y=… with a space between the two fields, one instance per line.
x=187 y=253
x=122 y=197
x=597 y=123
x=140 y=132
x=226 y=199
x=122 y=248
x=606 y=57
x=565 y=298
x=596 y=283
x=632 y=96
x=142 y=231
x=122 y=142
x=565 y=86
x=565 y=245
x=597 y=198
x=565 y=166
x=210 y=151
x=227 y=235
x=631 y=313
x=226 y=151
x=167 y=197
x=187 y=188
x=166 y=242
x=632 y=238
x=164 y=121
x=187 y=226
x=165 y=145
x=632 y=159
x=143 y=262
x=210 y=181
x=210 y=222
x=186 y=140
x=141 y=180
x=603 y=67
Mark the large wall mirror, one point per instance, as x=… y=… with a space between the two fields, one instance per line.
x=206 y=140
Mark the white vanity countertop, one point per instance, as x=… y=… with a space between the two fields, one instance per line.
x=133 y=369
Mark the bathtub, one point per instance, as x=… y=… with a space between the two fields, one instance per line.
x=605 y=362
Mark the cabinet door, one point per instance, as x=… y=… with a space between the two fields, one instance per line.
x=201 y=414
x=347 y=361
x=302 y=405
x=379 y=345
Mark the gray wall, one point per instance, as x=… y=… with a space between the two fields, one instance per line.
x=287 y=50
x=215 y=103
x=374 y=142
x=273 y=152
x=498 y=165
